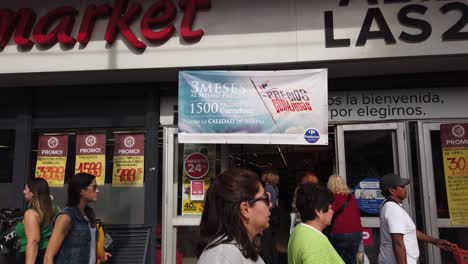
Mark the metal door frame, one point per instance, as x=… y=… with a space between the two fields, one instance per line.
x=431 y=221
x=402 y=155
x=170 y=219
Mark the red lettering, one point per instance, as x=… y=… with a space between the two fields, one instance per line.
x=6 y=26
x=24 y=20
x=57 y=25
x=92 y=13
x=190 y=8
x=61 y=32
x=151 y=19
x=25 y=23
x=121 y=23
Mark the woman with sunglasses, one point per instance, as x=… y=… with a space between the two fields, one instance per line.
x=236 y=211
x=73 y=239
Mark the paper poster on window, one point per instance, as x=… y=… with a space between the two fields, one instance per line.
x=91 y=155
x=253 y=107
x=455 y=154
x=52 y=159
x=199 y=170
x=369 y=196
x=129 y=160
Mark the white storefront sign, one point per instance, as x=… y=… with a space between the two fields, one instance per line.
x=409 y=104
x=239 y=32
x=378 y=105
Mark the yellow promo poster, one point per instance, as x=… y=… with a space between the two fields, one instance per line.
x=52 y=159
x=199 y=169
x=129 y=160
x=454 y=139
x=91 y=155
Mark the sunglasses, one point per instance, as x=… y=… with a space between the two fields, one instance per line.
x=265 y=198
x=94 y=187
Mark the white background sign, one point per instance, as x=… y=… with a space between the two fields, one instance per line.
x=246 y=32
x=406 y=104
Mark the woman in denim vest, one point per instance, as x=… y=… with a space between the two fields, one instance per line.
x=73 y=239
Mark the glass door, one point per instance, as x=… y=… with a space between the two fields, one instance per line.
x=366 y=152
x=187 y=168
x=437 y=219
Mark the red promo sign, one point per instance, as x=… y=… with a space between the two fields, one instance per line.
x=197 y=187
x=160 y=14
x=367 y=236
x=196 y=165
x=91 y=144
x=52 y=159
x=53 y=146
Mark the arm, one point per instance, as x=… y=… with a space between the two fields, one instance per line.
x=440 y=243
x=61 y=228
x=399 y=248
x=32 y=228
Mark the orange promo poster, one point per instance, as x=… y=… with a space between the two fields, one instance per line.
x=52 y=159
x=129 y=160
x=91 y=155
x=454 y=139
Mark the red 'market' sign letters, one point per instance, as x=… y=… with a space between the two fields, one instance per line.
x=120 y=16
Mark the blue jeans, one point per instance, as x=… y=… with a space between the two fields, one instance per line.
x=347 y=245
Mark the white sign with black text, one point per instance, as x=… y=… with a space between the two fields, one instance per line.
x=409 y=104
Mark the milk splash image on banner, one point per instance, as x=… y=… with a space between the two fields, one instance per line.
x=260 y=107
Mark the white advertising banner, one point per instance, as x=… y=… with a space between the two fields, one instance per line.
x=253 y=107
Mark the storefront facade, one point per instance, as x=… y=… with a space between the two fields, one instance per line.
x=396 y=72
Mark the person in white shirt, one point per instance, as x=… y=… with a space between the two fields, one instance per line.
x=398 y=234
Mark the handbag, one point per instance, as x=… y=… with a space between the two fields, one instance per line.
x=104 y=242
x=9 y=242
x=327 y=230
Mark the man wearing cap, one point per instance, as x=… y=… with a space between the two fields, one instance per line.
x=398 y=234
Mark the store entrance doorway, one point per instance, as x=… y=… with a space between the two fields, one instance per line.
x=366 y=152
x=180 y=226
x=436 y=213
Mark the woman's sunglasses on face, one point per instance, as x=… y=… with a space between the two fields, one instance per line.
x=93 y=187
x=265 y=198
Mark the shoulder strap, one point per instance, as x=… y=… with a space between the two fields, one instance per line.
x=389 y=200
x=341 y=209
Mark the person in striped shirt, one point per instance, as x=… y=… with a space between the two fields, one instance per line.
x=307 y=244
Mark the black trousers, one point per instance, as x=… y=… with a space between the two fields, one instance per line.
x=21 y=257
x=268 y=251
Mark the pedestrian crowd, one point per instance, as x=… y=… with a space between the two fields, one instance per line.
x=48 y=234
x=239 y=221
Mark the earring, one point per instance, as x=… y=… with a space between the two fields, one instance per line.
x=247 y=220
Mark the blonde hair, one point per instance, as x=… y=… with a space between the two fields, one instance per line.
x=337 y=185
x=270 y=176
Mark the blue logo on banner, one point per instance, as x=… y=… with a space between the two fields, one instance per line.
x=312 y=135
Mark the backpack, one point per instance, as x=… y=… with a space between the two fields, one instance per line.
x=9 y=218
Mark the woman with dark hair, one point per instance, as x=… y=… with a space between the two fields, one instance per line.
x=236 y=211
x=307 y=244
x=34 y=231
x=73 y=240
x=268 y=252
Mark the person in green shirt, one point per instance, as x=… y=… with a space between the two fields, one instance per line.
x=307 y=244
x=34 y=231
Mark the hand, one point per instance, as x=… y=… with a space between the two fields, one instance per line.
x=106 y=257
x=443 y=244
